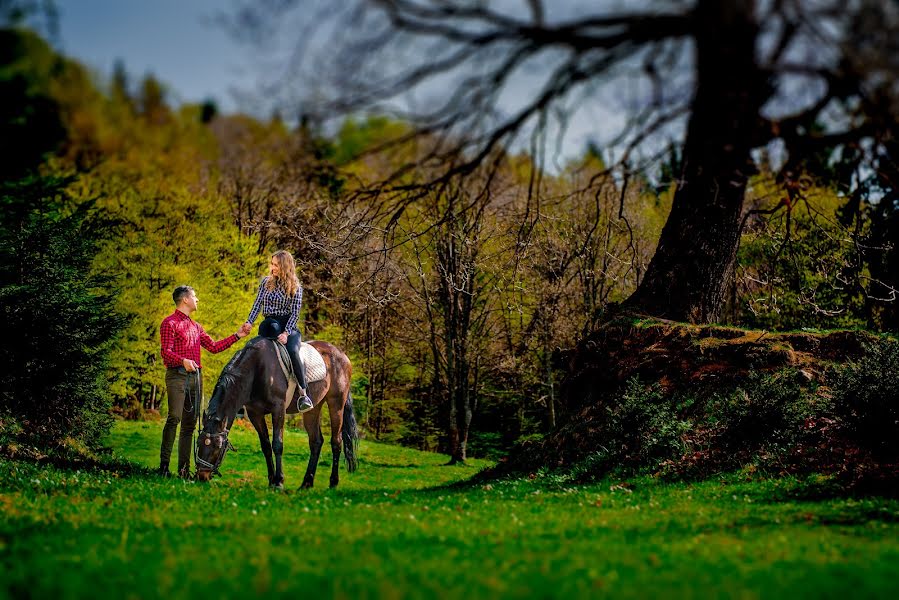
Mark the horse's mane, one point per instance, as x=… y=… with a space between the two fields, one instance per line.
x=235 y=376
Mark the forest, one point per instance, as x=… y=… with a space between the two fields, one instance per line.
x=461 y=290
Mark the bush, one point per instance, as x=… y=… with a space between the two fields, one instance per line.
x=59 y=320
x=768 y=411
x=641 y=429
x=866 y=398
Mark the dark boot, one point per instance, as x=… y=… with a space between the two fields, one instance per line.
x=293 y=349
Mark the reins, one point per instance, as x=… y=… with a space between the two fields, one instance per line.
x=196 y=407
x=225 y=442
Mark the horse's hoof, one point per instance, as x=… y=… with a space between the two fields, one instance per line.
x=306 y=485
x=278 y=487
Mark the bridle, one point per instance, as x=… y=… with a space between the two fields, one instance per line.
x=205 y=438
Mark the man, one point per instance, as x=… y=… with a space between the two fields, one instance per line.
x=181 y=338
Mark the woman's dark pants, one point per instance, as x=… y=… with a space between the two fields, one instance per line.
x=293 y=349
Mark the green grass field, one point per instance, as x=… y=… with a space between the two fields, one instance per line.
x=398 y=529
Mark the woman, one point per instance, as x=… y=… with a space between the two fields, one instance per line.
x=280 y=297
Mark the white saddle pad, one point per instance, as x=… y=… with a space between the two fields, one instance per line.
x=315 y=364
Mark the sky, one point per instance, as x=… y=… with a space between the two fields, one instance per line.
x=174 y=40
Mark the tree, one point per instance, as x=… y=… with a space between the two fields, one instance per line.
x=120 y=92
x=452 y=282
x=721 y=76
x=60 y=319
x=30 y=124
x=153 y=106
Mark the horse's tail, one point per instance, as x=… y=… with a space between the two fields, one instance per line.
x=350 y=433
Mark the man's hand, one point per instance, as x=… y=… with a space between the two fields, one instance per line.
x=244 y=330
x=283 y=338
x=189 y=365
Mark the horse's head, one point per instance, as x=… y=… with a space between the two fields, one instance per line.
x=212 y=444
x=230 y=393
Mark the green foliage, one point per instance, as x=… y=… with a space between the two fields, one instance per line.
x=766 y=411
x=640 y=430
x=801 y=267
x=355 y=138
x=60 y=321
x=30 y=124
x=866 y=398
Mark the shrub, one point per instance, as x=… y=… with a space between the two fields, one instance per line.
x=766 y=411
x=59 y=320
x=641 y=429
x=865 y=397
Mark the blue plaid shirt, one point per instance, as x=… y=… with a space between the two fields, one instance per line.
x=276 y=302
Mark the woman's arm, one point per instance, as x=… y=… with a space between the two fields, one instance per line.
x=295 y=305
x=257 y=305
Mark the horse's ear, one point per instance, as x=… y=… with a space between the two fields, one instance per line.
x=203 y=418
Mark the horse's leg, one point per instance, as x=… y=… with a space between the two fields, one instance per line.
x=278 y=418
x=258 y=421
x=312 y=424
x=336 y=414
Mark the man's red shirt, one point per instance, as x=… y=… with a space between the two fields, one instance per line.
x=181 y=337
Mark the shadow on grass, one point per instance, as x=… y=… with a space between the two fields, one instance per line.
x=382 y=465
x=73 y=461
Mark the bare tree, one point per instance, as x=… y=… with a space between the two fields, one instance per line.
x=726 y=78
x=450 y=265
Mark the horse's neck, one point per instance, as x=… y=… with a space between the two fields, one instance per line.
x=231 y=401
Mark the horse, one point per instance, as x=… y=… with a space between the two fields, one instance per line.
x=254 y=379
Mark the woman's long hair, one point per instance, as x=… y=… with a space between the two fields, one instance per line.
x=287 y=274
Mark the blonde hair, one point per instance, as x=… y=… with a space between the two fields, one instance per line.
x=287 y=274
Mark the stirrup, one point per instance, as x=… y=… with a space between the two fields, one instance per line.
x=305 y=404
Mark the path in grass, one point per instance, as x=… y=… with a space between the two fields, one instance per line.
x=392 y=531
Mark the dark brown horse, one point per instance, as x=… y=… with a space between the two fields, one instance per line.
x=254 y=379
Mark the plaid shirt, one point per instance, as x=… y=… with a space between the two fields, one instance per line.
x=276 y=302
x=181 y=337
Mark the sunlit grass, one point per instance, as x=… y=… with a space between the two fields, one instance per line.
x=396 y=529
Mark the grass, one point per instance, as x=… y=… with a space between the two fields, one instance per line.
x=398 y=529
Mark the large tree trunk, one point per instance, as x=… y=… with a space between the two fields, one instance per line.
x=688 y=276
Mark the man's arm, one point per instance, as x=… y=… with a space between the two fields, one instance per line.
x=217 y=346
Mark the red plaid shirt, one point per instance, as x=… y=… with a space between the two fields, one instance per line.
x=182 y=337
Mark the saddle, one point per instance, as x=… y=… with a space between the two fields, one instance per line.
x=311 y=358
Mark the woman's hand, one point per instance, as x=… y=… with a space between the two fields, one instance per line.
x=283 y=338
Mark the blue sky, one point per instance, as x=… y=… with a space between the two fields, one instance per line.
x=173 y=39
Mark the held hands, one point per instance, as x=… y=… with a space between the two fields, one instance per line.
x=283 y=338
x=245 y=330
x=189 y=365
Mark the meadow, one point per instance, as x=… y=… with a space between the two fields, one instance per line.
x=406 y=526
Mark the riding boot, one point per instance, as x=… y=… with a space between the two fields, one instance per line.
x=293 y=349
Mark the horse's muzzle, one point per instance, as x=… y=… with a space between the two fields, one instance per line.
x=204 y=475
